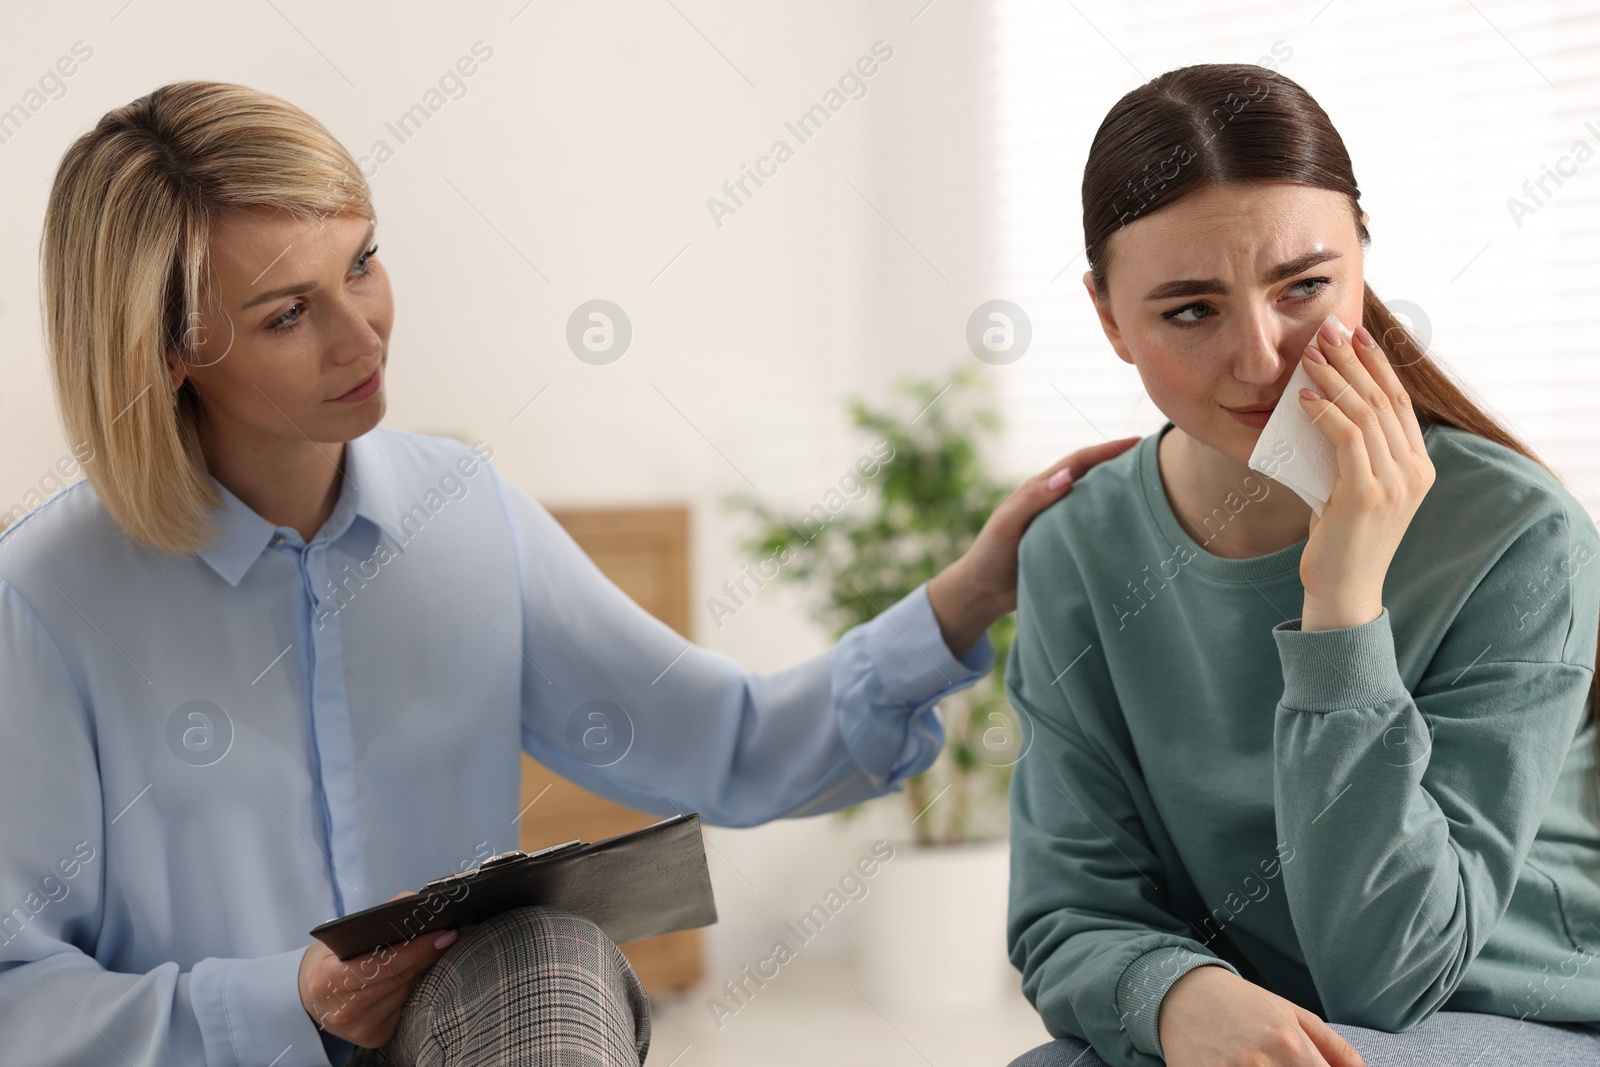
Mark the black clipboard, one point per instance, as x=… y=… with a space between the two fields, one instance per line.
x=639 y=884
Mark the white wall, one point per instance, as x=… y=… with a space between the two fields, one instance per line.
x=591 y=140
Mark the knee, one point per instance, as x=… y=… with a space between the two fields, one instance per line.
x=564 y=923
x=577 y=955
x=542 y=917
x=563 y=946
x=540 y=957
x=555 y=933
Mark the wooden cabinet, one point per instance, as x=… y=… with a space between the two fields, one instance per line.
x=646 y=552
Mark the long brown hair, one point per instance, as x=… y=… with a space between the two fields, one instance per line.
x=1215 y=123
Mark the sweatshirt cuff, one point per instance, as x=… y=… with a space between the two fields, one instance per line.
x=1331 y=670
x=250 y=1012
x=1145 y=981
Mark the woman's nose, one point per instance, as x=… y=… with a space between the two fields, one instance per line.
x=350 y=337
x=1262 y=349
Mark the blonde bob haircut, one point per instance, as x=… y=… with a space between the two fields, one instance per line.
x=125 y=267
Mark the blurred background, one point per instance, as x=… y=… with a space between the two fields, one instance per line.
x=606 y=268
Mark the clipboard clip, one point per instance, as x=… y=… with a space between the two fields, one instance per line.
x=499 y=859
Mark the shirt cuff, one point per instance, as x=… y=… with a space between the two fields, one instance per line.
x=889 y=672
x=250 y=1012
x=1331 y=670
x=1145 y=981
x=917 y=667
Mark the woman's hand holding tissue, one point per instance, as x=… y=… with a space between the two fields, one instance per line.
x=975 y=590
x=1384 y=472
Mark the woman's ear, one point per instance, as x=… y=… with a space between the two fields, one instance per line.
x=1107 y=323
x=177 y=370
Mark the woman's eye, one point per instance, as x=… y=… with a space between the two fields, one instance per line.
x=281 y=324
x=1309 y=281
x=1173 y=316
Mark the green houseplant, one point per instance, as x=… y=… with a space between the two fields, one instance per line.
x=923 y=505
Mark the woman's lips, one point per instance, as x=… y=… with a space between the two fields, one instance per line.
x=1255 y=419
x=363 y=390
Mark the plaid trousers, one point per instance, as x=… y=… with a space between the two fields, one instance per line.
x=531 y=987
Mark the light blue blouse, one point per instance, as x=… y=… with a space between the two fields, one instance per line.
x=207 y=757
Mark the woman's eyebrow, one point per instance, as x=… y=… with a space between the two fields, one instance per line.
x=301 y=288
x=1208 y=286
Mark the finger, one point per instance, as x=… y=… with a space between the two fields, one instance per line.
x=398 y=962
x=375 y=1022
x=364 y=993
x=1377 y=363
x=1382 y=396
x=1362 y=398
x=426 y=952
x=1344 y=397
x=1305 y=1052
x=1346 y=379
x=1350 y=451
x=1334 y=1048
x=383 y=1013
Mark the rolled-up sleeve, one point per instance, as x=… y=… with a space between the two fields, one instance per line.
x=888 y=675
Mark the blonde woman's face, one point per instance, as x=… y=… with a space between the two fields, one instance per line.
x=1214 y=297
x=295 y=337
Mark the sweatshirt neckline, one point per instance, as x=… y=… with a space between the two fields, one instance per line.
x=1255 y=568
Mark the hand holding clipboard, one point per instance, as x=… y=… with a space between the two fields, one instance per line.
x=639 y=884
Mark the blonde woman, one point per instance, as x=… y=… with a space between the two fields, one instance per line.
x=272 y=663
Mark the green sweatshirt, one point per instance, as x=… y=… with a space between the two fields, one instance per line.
x=1376 y=822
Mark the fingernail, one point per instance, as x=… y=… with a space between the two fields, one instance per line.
x=1330 y=331
x=1365 y=337
x=445 y=939
x=1309 y=394
x=1058 y=479
x=1314 y=354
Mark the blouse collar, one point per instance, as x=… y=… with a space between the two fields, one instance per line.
x=367 y=493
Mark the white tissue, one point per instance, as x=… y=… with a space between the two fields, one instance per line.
x=1292 y=450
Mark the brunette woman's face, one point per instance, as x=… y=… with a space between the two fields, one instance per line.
x=1214 y=297
x=295 y=335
